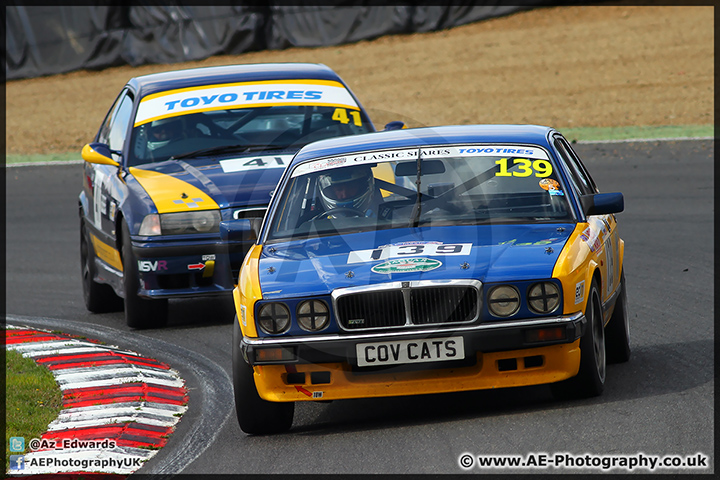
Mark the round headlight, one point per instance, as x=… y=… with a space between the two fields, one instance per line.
x=313 y=315
x=503 y=301
x=274 y=318
x=544 y=297
x=204 y=222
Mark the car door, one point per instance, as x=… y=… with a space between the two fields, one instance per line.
x=603 y=228
x=104 y=186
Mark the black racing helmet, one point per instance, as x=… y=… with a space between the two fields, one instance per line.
x=164 y=131
x=347 y=187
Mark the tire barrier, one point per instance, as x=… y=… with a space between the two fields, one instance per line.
x=47 y=40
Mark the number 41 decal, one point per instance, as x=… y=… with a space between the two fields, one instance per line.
x=264 y=161
x=341 y=115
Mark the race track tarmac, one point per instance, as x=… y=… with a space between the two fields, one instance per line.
x=660 y=403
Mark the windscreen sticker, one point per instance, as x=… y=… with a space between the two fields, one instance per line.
x=552 y=186
x=341 y=115
x=502 y=150
x=523 y=167
x=365 y=158
x=540 y=168
x=406 y=249
x=255 y=163
x=549 y=184
x=243 y=95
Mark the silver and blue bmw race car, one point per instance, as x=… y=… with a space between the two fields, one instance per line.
x=179 y=152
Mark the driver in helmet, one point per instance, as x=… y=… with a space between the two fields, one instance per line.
x=163 y=131
x=349 y=189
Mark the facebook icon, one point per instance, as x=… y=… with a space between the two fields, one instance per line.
x=17 y=462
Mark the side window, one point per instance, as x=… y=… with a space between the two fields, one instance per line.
x=584 y=185
x=113 y=130
x=581 y=167
x=102 y=136
x=120 y=122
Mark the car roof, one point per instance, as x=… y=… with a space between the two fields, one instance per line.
x=159 y=82
x=428 y=136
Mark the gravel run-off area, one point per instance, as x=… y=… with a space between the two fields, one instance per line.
x=567 y=67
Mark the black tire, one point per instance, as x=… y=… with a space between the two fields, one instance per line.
x=255 y=415
x=139 y=312
x=99 y=297
x=590 y=380
x=617 y=331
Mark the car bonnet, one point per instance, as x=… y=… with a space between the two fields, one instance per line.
x=488 y=253
x=236 y=181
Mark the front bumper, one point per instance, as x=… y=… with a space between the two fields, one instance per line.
x=325 y=367
x=486 y=337
x=184 y=269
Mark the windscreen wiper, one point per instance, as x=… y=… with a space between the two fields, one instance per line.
x=204 y=152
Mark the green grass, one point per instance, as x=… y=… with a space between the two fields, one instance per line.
x=635 y=133
x=39 y=158
x=572 y=134
x=32 y=400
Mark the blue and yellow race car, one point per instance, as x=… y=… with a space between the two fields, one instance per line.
x=423 y=261
x=178 y=153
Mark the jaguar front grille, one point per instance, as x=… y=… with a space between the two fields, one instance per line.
x=443 y=305
x=406 y=304
x=371 y=310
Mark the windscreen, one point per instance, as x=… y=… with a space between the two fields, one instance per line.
x=448 y=185
x=254 y=114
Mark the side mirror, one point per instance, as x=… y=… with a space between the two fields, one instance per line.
x=602 y=203
x=98 y=153
x=243 y=230
x=396 y=125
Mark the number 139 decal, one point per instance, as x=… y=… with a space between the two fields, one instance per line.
x=526 y=167
x=394 y=251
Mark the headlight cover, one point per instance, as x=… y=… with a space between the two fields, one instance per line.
x=503 y=300
x=313 y=315
x=274 y=318
x=543 y=297
x=181 y=223
x=150 y=225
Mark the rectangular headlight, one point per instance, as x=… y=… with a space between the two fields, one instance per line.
x=182 y=223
